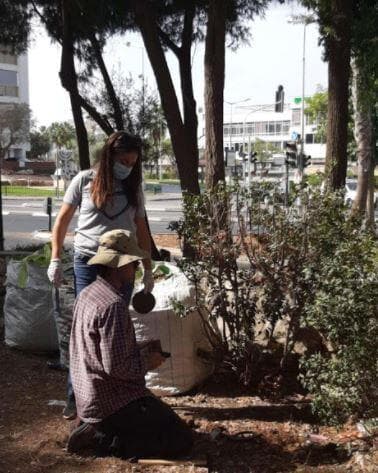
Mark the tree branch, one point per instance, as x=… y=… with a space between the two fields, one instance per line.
x=108 y=83
x=187 y=33
x=168 y=42
x=43 y=20
x=100 y=119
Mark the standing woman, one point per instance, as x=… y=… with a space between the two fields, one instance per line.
x=109 y=197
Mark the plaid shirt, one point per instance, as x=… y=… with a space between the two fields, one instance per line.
x=105 y=363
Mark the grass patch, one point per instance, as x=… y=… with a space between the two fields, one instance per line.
x=163 y=181
x=22 y=191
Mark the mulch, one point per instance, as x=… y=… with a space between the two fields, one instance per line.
x=236 y=431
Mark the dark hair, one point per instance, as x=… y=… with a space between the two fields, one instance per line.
x=102 y=188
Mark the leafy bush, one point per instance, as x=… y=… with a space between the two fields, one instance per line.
x=255 y=263
x=345 y=309
x=315 y=179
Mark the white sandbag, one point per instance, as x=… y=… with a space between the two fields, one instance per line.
x=182 y=337
x=28 y=311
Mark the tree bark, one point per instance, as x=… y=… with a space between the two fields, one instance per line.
x=68 y=78
x=186 y=162
x=363 y=133
x=339 y=52
x=188 y=100
x=118 y=117
x=214 y=90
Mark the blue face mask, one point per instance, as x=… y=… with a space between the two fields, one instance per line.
x=120 y=171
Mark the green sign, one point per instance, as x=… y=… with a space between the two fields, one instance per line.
x=297 y=100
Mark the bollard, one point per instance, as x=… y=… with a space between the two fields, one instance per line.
x=48 y=210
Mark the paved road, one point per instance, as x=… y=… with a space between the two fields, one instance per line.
x=22 y=219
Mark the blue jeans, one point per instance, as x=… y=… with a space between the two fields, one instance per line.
x=84 y=275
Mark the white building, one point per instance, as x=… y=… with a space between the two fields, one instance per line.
x=261 y=122
x=14 y=88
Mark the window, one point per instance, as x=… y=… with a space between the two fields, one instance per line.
x=309 y=138
x=251 y=129
x=233 y=130
x=285 y=126
x=296 y=116
x=6 y=57
x=259 y=128
x=8 y=77
x=278 y=128
x=8 y=91
x=271 y=128
x=226 y=130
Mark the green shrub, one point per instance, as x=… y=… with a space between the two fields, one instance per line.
x=311 y=265
x=345 y=309
x=315 y=179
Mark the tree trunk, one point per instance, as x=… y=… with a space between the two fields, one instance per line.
x=338 y=51
x=118 y=117
x=363 y=133
x=214 y=89
x=188 y=100
x=69 y=81
x=186 y=162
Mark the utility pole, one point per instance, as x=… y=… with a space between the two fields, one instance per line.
x=304 y=20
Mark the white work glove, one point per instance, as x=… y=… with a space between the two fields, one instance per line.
x=148 y=280
x=55 y=272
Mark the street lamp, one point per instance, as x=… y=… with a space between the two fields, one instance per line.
x=304 y=20
x=231 y=106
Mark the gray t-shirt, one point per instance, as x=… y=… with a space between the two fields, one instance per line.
x=92 y=222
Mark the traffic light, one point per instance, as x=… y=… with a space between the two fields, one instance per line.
x=226 y=156
x=252 y=157
x=306 y=160
x=291 y=153
x=280 y=97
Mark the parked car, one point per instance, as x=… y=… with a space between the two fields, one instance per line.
x=350 y=191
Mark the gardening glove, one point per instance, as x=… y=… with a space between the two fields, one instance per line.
x=148 y=280
x=55 y=272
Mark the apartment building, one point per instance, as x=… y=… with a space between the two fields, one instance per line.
x=14 y=88
x=262 y=122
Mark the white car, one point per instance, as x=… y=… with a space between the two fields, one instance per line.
x=350 y=190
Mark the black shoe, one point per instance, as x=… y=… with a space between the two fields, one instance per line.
x=82 y=438
x=55 y=365
x=69 y=412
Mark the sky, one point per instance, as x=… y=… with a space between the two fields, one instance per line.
x=273 y=57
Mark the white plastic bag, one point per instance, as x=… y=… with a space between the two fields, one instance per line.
x=28 y=311
x=181 y=337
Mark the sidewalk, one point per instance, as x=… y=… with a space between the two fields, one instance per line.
x=169 y=196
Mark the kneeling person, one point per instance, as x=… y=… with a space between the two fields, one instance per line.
x=118 y=414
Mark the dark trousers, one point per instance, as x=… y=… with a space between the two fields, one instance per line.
x=145 y=428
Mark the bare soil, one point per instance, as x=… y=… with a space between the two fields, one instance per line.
x=166 y=240
x=235 y=430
